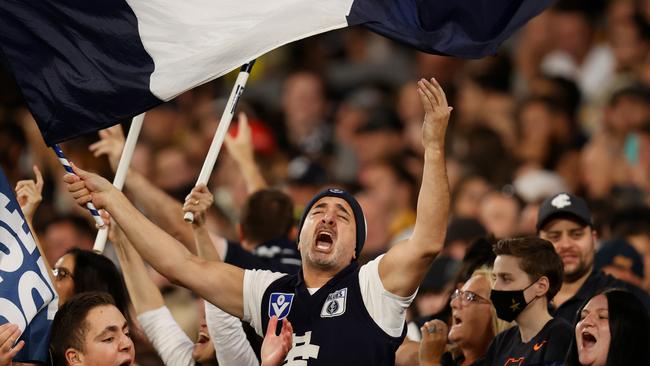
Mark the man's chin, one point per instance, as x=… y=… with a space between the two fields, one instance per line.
x=322 y=260
x=203 y=356
x=574 y=274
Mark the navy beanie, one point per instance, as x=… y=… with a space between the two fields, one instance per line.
x=359 y=219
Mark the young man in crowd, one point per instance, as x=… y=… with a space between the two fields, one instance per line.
x=565 y=221
x=89 y=330
x=339 y=311
x=528 y=275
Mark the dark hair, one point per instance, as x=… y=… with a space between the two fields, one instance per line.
x=629 y=326
x=69 y=326
x=637 y=92
x=267 y=215
x=631 y=221
x=537 y=257
x=478 y=254
x=94 y=272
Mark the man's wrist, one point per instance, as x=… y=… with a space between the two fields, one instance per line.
x=435 y=150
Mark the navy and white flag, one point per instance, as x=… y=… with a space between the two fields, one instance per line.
x=27 y=297
x=86 y=65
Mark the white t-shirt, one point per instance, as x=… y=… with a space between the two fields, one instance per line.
x=386 y=309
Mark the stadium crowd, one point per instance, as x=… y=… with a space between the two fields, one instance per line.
x=546 y=257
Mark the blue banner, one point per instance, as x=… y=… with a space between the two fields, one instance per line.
x=27 y=296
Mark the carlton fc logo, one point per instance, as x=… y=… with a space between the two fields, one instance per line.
x=561 y=201
x=280 y=304
x=335 y=304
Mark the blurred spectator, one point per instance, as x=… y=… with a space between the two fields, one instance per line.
x=461 y=234
x=633 y=224
x=305 y=109
x=499 y=213
x=466 y=197
x=389 y=184
x=576 y=53
x=64 y=233
x=619 y=259
x=379 y=138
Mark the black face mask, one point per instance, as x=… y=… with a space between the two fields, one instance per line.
x=509 y=304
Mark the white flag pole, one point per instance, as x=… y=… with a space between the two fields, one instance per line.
x=220 y=134
x=120 y=174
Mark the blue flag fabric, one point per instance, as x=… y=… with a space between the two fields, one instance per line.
x=27 y=297
x=461 y=28
x=86 y=65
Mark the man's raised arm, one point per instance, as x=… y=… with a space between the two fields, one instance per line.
x=217 y=282
x=401 y=270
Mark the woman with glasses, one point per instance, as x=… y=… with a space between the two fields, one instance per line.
x=80 y=271
x=474 y=324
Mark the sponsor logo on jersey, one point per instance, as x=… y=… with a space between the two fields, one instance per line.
x=538 y=346
x=335 y=304
x=280 y=304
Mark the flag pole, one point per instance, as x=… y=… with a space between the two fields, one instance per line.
x=68 y=168
x=120 y=173
x=222 y=130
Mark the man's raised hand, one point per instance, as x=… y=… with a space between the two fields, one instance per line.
x=198 y=202
x=241 y=147
x=29 y=194
x=111 y=144
x=437 y=113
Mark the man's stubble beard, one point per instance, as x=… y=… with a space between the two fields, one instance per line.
x=583 y=268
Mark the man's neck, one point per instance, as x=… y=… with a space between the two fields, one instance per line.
x=570 y=289
x=316 y=277
x=532 y=319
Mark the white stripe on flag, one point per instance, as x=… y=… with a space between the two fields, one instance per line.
x=194 y=41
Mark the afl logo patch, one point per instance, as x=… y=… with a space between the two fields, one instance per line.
x=280 y=304
x=335 y=304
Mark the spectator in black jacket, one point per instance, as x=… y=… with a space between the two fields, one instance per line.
x=565 y=221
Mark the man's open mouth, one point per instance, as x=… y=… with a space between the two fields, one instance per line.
x=324 y=240
x=203 y=338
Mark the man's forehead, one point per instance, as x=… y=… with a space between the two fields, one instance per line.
x=563 y=223
x=507 y=264
x=328 y=200
x=101 y=317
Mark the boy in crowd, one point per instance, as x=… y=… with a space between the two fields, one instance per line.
x=90 y=330
x=528 y=275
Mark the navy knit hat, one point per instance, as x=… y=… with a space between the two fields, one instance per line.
x=359 y=218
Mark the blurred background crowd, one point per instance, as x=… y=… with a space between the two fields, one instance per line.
x=563 y=107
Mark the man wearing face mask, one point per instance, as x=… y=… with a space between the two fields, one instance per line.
x=528 y=275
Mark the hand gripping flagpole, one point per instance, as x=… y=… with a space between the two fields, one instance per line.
x=120 y=174
x=220 y=134
x=68 y=168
